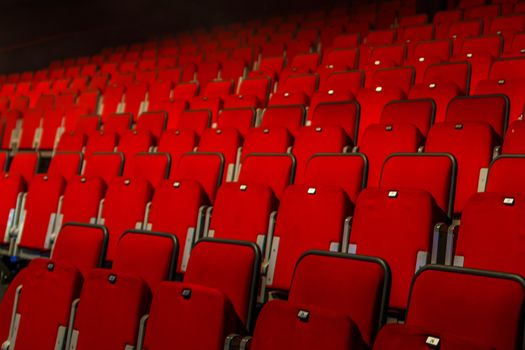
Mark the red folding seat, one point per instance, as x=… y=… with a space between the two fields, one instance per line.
x=4 y=156
x=483 y=12
x=491 y=109
x=428 y=52
x=177 y=143
x=174 y=109
x=39 y=212
x=346 y=171
x=404 y=248
x=233 y=69
x=49 y=289
x=80 y=202
x=66 y=100
x=259 y=88
x=507 y=26
x=505 y=77
x=207 y=71
x=153 y=167
x=372 y=102
x=159 y=93
x=474 y=245
x=419 y=113
x=303 y=63
x=112 y=99
x=312 y=140
x=432 y=172
x=309 y=218
x=185 y=91
x=505 y=173
x=80 y=245
x=47 y=135
x=12 y=187
x=58 y=73
x=269 y=66
x=124 y=208
x=125 y=79
x=283 y=325
x=109 y=312
x=65 y=164
x=101 y=141
x=295 y=89
x=241 y=119
x=342 y=114
x=119 y=123
x=20 y=103
x=345 y=41
x=275 y=170
x=106 y=165
x=381 y=140
x=380 y=37
x=242 y=212
x=110 y=68
x=195 y=120
x=385 y=57
x=90 y=100
x=218 y=89
x=191 y=165
x=60 y=85
x=459 y=31
x=155 y=264
x=513 y=142
x=153 y=122
x=350 y=81
x=25 y=164
x=471 y=143
x=128 y=67
x=260 y=140
x=135 y=97
x=214 y=105
x=301 y=321
x=148 y=77
x=177 y=321
x=338 y=60
x=23 y=88
x=399 y=77
x=11 y=124
x=99 y=82
x=89 y=70
x=290 y=117
x=411 y=35
x=30 y=123
x=442 y=82
x=42 y=74
x=456 y=296
x=177 y=208
x=227 y=142
x=481 y=53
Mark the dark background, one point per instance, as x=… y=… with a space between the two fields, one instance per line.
x=33 y=32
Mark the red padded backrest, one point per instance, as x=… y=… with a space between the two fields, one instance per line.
x=260 y=140
x=330 y=281
x=124 y=207
x=107 y=166
x=65 y=164
x=346 y=171
x=82 y=199
x=242 y=211
x=151 y=256
x=484 y=308
x=80 y=245
x=41 y=202
x=312 y=140
x=472 y=146
x=434 y=173
x=420 y=113
x=506 y=175
x=45 y=303
x=308 y=218
x=379 y=229
x=229 y=267
x=110 y=309
x=11 y=185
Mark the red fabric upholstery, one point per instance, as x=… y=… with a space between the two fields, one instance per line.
x=419 y=113
x=109 y=312
x=106 y=166
x=506 y=175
